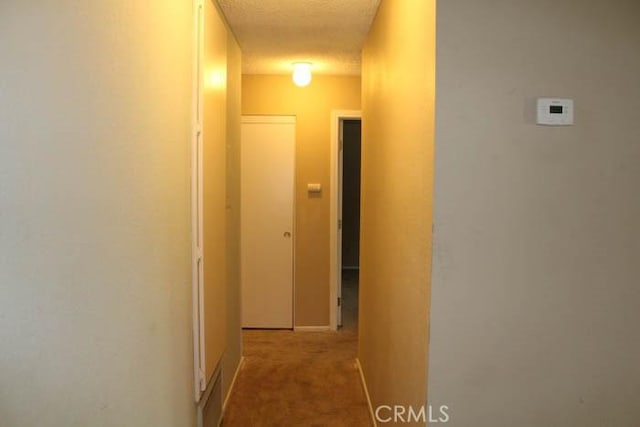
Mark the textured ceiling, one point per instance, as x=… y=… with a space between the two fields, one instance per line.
x=275 y=33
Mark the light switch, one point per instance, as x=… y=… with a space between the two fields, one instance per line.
x=314 y=188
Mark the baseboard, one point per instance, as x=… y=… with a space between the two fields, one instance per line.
x=209 y=407
x=312 y=328
x=233 y=383
x=366 y=393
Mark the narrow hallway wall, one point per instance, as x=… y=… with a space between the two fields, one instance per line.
x=214 y=186
x=95 y=276
x=398 y=82
x=233 y=351
x=221 y=87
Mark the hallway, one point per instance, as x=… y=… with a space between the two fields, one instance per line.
x=298 y=378
x=301 y=378
x=121 y=210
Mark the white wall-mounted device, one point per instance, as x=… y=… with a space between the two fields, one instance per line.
x=555 y=112
x=314 y=188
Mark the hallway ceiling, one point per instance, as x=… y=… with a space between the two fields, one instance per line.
x=275 y=33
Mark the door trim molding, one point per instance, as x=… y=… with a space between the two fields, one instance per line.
x=196 y=200
x=335 y=275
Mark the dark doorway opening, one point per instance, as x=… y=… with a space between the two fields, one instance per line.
x=351 y=153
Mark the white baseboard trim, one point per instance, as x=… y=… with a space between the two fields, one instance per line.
x=233 y=383
x=209 y=407
x=366 y=393
x=312 y=328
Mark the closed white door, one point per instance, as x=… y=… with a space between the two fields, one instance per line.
x=267 y=185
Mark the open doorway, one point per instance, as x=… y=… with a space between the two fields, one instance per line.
x=350 y=224
x=345 y=218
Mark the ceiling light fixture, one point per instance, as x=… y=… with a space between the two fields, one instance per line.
x=302 y=73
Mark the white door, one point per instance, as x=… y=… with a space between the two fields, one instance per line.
x=267 y=185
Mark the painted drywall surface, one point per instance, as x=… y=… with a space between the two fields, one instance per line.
x=95 y=293
x=398 y=80
x=214 y=176
x=233 y=349
x=537 y=230
x=312 y=106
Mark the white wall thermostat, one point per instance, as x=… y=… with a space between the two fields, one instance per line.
x=555 y=112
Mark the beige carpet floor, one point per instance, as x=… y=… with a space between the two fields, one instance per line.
x=299 y=379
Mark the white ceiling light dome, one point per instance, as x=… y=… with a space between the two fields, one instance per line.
x=302 y=73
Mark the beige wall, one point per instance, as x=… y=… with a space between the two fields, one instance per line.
x=312 y=106
x=221 y=175
x=233 y=350
x=95 y=294
x=214 y=174
x=398 y=79
x=537 y=230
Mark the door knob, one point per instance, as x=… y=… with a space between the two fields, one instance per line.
x=287 y=234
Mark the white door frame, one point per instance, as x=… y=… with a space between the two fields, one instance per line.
x=335 y=251
x=197 y=271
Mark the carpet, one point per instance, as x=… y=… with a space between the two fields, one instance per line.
x=298 y=379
